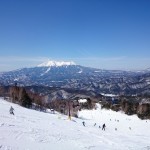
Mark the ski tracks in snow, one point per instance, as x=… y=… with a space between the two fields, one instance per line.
x=3 y=147
x=29 y=130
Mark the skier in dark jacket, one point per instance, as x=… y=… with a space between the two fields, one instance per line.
x=83 y=123
x=11 y=110
x=103 y=127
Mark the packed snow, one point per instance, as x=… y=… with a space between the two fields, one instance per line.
x=109 y=95
x=50 y=63
x=80 y=71
x=82 y=100
x=29 y=130
x=46 y=71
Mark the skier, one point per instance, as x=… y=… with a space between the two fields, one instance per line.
x=94 y=124
x=83 y=123
x=103 y=127
x=11 y=110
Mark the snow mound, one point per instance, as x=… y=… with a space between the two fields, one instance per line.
x=82 y=100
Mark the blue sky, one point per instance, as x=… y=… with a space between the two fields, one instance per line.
x=107 y=34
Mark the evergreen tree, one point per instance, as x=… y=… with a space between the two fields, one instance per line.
x=25 y=99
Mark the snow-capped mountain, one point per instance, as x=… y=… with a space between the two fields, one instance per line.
x=30 y=129
x=70 y=76
x=50 y=63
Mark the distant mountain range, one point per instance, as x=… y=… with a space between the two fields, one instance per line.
x=68 y=75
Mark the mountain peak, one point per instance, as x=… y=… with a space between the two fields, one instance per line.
x=50 y=63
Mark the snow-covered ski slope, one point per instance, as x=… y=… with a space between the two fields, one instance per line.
x=34 y=130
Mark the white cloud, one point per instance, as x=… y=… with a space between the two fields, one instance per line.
x=21 y=58
x=122 y=62
x=16 y=62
